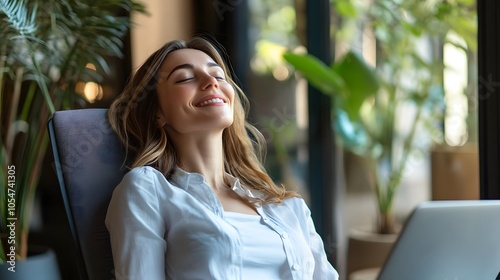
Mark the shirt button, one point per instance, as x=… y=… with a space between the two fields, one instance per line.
x=284 y=235
x=265 y=219
x=295 y=266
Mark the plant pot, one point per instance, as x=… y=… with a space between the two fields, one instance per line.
x=368 y=250
x=41 y=264
x=455 y=172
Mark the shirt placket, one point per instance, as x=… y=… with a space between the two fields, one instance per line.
x=291 y=256
x=204 y=194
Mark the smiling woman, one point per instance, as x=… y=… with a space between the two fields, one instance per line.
x=195 y=95
x=197 y=202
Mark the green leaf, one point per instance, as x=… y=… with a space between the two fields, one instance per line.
x=414 y=29
x=352 y=134
x=469 y=3
x=466 y=28
x=345 y=8
x=443 y=11
x=361 y=81
x=316 y=72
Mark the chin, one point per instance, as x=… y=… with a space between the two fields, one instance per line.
x=227 y=123
x=225 y=119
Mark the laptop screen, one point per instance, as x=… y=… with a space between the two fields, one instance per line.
x=448 y=240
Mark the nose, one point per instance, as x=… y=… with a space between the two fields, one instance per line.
x=209 y=81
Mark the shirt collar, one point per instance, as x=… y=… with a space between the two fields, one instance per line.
x=185 y=180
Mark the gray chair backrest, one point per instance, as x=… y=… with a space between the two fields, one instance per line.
x=89 y=161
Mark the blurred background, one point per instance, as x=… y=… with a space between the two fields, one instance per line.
x=412 y=137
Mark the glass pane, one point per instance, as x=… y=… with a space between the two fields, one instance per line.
x=278 y=98
x=419 y=127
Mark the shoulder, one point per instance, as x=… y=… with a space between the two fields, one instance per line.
x=296 y=204
x=141 y=179
x=291 y=207
x=141 y=172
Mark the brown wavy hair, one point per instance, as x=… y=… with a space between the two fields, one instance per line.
x=133 y=117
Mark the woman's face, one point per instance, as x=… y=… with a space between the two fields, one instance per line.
x=193 y=94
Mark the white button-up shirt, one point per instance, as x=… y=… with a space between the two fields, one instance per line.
x=176 y=229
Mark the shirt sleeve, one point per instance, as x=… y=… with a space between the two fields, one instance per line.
x=136 y=228
x=322 y=268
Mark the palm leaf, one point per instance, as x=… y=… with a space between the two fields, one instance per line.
x=45 y=37
x=316 y=72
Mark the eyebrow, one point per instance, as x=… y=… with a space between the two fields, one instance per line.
x=190 y=66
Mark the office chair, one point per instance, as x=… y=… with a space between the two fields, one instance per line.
x=89 y=162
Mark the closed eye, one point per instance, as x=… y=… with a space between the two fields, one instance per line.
x=183 y=80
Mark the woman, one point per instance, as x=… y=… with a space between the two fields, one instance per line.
x=197 y=203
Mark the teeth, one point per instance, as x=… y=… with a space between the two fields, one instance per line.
x=213 y=100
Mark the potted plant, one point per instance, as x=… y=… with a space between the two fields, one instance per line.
x=45 y=51
x=380 y=111
x=367 y=101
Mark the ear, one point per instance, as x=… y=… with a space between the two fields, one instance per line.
x=160 y=120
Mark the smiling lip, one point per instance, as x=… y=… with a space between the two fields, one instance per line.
x=213 y=100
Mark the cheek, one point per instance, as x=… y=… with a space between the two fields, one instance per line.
x=171 y=104
x=230 y=93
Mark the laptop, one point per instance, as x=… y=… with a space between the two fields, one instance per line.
x=448 y=240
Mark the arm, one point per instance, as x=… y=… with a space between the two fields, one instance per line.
x=136 y=228
x=322 y=269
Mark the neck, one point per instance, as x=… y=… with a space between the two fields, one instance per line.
x=202 y=154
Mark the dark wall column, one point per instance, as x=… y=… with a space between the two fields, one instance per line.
x=227 y=21
x=321 y=141
x=489 y=99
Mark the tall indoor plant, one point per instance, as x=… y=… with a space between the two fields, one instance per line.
x=406 y=82
x=45 y=47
